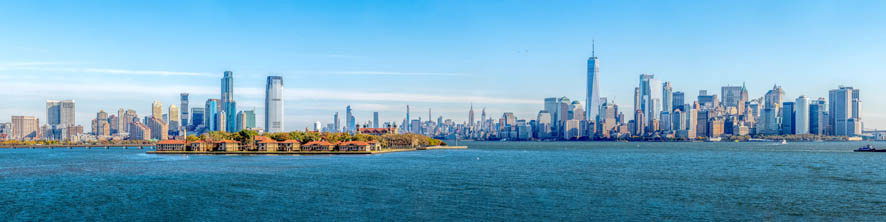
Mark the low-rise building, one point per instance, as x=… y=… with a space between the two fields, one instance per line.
x=353 y=146
x=318 y=146
x=172 y=145
x=228 y=145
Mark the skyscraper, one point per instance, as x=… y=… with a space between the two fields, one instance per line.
x=650 y=95
x=787 y=122
x=407 y=120
x=198 y=115
x=679 y=100
x=336 y=125
x=229 y=106
x=844 y=110
x=471 y=115
x=667 y=103
x=60 y=113
x=174 y=118
x=157 y=110
x=374 y=119
x=245 y=120
x=350 y=120
x=801 y=115
x=274 y=104
x=211 y=115
x=593 y=91
x=732 y=97
x=185 y=111
x=818 y=117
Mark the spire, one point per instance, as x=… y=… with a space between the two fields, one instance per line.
x=593 y=48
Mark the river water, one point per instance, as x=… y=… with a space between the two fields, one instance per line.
x=491 y=181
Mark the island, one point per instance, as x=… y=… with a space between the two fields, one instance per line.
x=365 y=141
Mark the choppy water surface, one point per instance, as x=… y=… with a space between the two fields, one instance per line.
x=490 y=181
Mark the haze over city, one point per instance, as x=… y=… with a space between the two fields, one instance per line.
x=444 y=55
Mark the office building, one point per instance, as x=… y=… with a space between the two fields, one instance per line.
x=157 y=110
x=844 y=110
x=787 y=118
x=185 y=110
x=375 y=119
x=229 y=106
x=25 y=128
x=246 y=120
x=593 y=91
x=274 y=104
x=818 y=117
x=801 y=115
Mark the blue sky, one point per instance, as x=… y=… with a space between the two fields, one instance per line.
x=382 y=55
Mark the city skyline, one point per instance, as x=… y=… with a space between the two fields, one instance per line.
x=371 y=80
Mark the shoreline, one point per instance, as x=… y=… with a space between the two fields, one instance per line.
x=306 y=152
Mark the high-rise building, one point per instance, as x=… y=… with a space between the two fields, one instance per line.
x=818 y=117
x=774 y=98
x=121 y=121
x=229 y=106
x=174 y=118
x=350 y=120
x=60 y=113
x=375 y=119
x=707 y=101
x=679 y=100
x=246 y=120
x=129 y=116
x=844 y=110
x=638 y=100
x=408 y=120
x=801 y=115
x=667 y=94
x=543 y=121
x=274 y=104
x=734 y=97
x=211 y=115
x=198 y=115
x=593 y=92
x=471 y=115
x=221 y=120
x=787 y=118
x=185 y=111
x=650 y=95
x=336 y=123
x=159 y=129
x=157 y=110
x=319 y=126
x=138 y=131
x=25 y=127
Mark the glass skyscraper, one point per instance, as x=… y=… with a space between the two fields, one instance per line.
x=593 y=91
x=227 y=102
x=274 y=104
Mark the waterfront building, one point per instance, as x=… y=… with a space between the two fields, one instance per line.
x=185 y=111
x=25 y=127
x=274 y=104
x=159 y=129
x=576 y=111
x=157 y=110
x=139 y=131
x=703 y=116
x=227 y=102
x=844 y=110
x=801 y=115
x=715 y=127
x=543 y=125
x=818 y=117
x=787 y=118
x=639 y=123
x=571 y=129
x=211 y=115
x=593 y=91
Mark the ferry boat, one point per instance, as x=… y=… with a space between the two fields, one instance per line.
x=868 y=148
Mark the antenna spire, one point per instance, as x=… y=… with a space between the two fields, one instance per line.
x=593 y=48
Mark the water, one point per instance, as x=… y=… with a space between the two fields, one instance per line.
x=491 y=181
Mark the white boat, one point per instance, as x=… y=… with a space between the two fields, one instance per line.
x=784 y=142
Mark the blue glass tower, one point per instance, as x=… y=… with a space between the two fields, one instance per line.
x=593 y=91
x=227 y=102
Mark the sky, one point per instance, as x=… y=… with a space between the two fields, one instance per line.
x=505 y=56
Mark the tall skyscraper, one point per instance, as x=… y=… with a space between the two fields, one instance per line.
x=407 y=120
x=336 y=123
x=185 y=111
x=732 y=97
x=157 y=110
x=227 y=102
x=801 y=115
x=787 y=122
x=350 y=120
x=818 y=117
x=211 y=115
x=374 y=119
x=844 y=110
x=593 y=92
x=650 y=95
x=174 y=118
x=471 y=115
x=667 y=94
x=274 y=104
